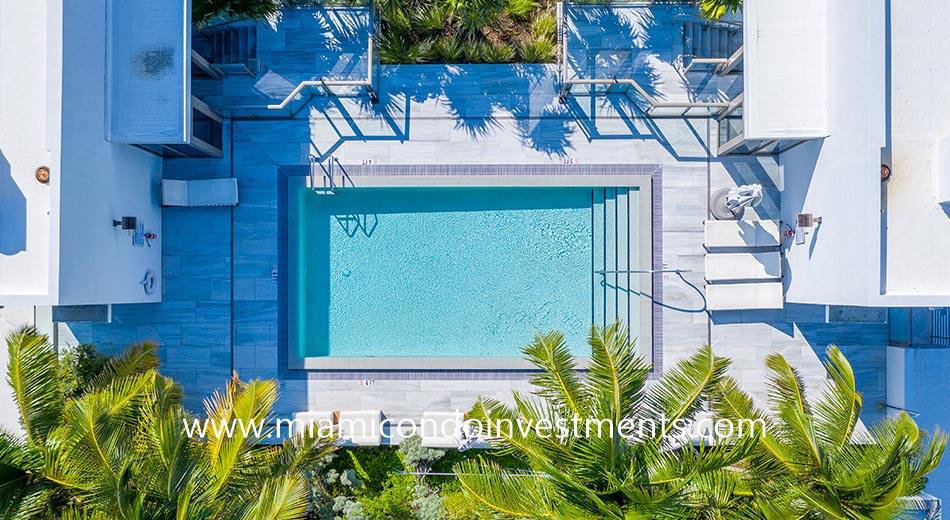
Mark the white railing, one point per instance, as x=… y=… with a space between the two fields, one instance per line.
x=327 y=84
x=566 y=82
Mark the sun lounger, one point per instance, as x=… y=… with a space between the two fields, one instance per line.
x=744 y=296
x=724 y=234
x=743 y=266
x=321 y=421
x=361 y=428
x=439 y=429
x=205 y=192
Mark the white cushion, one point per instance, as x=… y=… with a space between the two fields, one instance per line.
x=941 y=170
x=743 y=266
x=744 y=296
x=321 y=421
x=204 y=192
x=361 y=428
x=174 y=192
x=740 y=233
x=438 y=429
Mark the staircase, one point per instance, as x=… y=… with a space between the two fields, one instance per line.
x=616 y=292
x=711 y=47
x=230 y=49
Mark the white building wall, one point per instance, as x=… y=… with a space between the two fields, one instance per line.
x=101 y=181
x=837 y=178
x=29 y=137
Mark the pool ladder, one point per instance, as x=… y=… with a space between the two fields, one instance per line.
x=326 y=177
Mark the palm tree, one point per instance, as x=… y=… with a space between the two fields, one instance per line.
x=120 y=450
x=206 y=12
x=576 y=475
x=716 y=9
x=815 y=461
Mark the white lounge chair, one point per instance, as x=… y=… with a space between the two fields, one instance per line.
x=321 y=421
x=361 y=428
x=720 y=234
x=439 y=429
x=205 y=192
x=744 y=296
x=743 y=266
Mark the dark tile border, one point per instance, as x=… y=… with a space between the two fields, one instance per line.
x=423 y=170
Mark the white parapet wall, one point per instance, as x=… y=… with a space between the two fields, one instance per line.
x=837 y=178
x=786 y=69
x=29 y=138
x=57 y=242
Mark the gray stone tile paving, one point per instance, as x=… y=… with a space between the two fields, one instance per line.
x=220 y=309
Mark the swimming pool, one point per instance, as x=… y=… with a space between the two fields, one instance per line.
x=458 y=272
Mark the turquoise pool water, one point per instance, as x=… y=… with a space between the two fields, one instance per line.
x=463 y=272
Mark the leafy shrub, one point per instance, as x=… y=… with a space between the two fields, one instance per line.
x=79 y=367
x=206 y=12
x=500 y=53
x=372 y=465
x=537 y=51
x=395 y=500
x=415 y=456
x=449 y=49
x=521 y=9
x=431 y=17
x=544 y=27
x=463 y=31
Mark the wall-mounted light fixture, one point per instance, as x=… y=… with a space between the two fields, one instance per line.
x=808 y=220
x=127 y=223
x=42 y=175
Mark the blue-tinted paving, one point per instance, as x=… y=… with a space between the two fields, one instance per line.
x=220 y=309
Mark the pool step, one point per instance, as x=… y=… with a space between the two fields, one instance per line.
x=710 y=39
x=614 y=288
x=230 y=49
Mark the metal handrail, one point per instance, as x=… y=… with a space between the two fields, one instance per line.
x=733 y=61
x=327 y=175
x=326 y=83
x=645 y=271
x=712 y=23
x=329 y=168
x=567 y=83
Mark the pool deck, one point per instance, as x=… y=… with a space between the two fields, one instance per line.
x=221 y=312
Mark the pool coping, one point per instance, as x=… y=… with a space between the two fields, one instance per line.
x=644 y=177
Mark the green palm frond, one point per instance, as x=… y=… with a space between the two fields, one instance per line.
x=557 y=380
x=205 y=12
x=681 y=391
x=787 y=396
x=32 y=372
x=279 y=498
x=838 y=411
x=240 y=404
x=716 y=9
x=507 y=493
x=137 y=358
x=17 y=461
x=615 y=371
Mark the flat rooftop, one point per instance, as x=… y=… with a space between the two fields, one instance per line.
x=29 y=130
x=917 y=238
